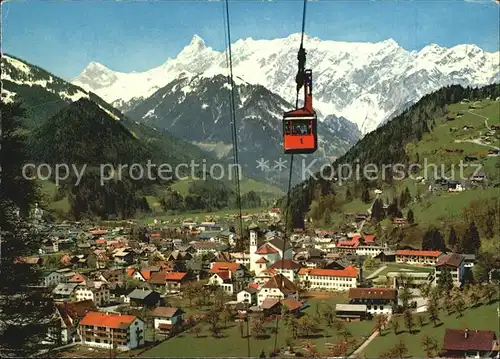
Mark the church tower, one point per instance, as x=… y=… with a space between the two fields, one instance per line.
x=253 y=248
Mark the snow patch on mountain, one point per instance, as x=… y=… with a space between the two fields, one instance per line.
x=364 y=82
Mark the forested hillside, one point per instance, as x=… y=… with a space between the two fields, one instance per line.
x=387 y=145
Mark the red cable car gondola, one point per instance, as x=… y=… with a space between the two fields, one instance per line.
x=300 y=135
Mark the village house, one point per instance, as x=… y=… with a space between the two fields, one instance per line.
x=247 y=295
x=241 y=258
x=142 y=275
x=69 y=314
x=58 y=276
x=103 y=330
x=454 y=263
x=278 y=287
x=227 y=237
x=144 y=298
x=98 y=292
x=175 y=280
x=351 y=312
x=377 y=300
x=287 y=267
x=468 y=343
x=329 y=279
x=64 y=292
x=123 y=256
x=425 y=258
x=168 y=319
x=229 y=275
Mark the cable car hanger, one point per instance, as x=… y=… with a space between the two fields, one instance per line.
x=300 y=134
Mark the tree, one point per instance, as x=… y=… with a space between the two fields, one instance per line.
x=433 y=311
x=365 y=196
x=307 y=325
x=378 y=212
x=213 y=318
x=421 y=321
x=473 y=296
x=328 y=314
x=433 y=240
x=26 y=312
x=410 y=217
x=425 y=290
x=448 y=304
x=405 y=295
x=227 y=314
x=408 y=318
x=395 y=325
x=445 y=281
x=490 y=292
x=430 y=345
x=471 y=241
x=258 y=330
x=190 y=292
x=400 y=349
x=379 y=322
x=452 y=238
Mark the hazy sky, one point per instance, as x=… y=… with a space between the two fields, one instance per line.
x=64 y=36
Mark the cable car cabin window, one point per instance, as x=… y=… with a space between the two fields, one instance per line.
x=298 y=127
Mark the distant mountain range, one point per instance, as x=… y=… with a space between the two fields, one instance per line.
x=196 y=109
x=188 y=119
x=366 y=83
x=44 y=95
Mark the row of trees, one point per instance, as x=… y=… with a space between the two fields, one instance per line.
x=469 y=242
x=209 y=195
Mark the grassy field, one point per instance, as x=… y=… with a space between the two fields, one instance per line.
x=484 y=317
x=201 y=216
x=232 y=345
x=445 y=205
x=266 y=191
x=435 y=155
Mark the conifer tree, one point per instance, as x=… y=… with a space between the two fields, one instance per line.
x=410 y=217
x=26 y=312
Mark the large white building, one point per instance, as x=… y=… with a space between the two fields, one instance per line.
x=104 y=330
x=377 y=300
x=423 y=258
x=329 y=279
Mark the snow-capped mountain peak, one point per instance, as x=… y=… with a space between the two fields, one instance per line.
x=363 y=82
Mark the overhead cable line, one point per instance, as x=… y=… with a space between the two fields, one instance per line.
x=234 y=136
x=299 y=79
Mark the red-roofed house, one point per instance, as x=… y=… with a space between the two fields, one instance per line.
x=330 y=279
x=468 y=343
x=429 y=258
x=174 y=280
x=104 y=330
x=228 y=275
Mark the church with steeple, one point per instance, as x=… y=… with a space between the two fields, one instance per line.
x=266 y=254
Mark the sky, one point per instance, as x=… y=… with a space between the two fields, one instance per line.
x=64 y=36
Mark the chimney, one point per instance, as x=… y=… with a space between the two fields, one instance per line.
x=466 y=333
